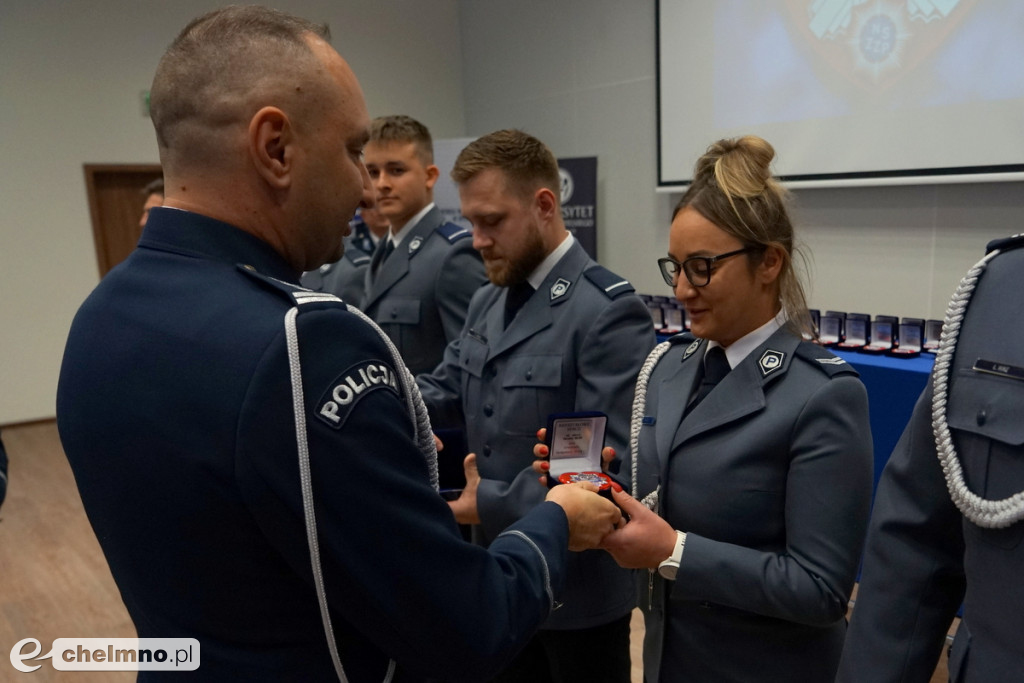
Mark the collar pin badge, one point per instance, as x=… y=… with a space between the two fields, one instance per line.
x=559 y=289
x=415 y=244
x=770 y=362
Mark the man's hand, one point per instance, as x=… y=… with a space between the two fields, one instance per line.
x=591 y=517
x=464 y=507
x=541 y=451
x=645 y=542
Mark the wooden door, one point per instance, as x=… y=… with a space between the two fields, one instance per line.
x=115 y=204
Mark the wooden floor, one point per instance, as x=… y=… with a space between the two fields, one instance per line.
x=56 y=583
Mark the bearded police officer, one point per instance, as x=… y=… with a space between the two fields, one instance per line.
x=554 y=332
x=948 y=522
x=253 y=456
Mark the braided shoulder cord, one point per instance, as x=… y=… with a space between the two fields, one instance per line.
x=989 y=514
x=637 y=416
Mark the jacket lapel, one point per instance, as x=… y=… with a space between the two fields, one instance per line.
x=397 y=265
x=741 y=392
x=538 y=312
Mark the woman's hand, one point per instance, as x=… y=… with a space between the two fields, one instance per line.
x=642 y=543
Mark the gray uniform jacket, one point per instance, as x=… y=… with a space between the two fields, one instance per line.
x=577 y=344
x=420 y=294
x=345 y=278
x=923 y=556
x=770 y=476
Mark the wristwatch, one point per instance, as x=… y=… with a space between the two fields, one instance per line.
x=669 y=567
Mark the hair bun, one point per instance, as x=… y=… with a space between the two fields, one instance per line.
x=741 y=167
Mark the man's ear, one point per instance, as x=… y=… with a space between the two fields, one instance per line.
x=270 y=146
x=433 y=173
x=545 y=202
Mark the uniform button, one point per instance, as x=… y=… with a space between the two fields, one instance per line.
x=487 y=451
x=488 y=410
x=492 y=372
x=394 y=314
x=529 y=374
x=982 y=417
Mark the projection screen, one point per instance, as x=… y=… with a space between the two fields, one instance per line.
x=850 y=92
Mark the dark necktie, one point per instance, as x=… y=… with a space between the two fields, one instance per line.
x=514 y=300
x=716 y=366
x=388 y=248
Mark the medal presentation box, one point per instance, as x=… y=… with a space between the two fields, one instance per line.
x=575 y=442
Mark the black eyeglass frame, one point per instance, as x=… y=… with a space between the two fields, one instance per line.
x=671 y=278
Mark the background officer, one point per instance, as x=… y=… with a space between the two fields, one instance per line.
x=251 y=454
x=947 y=523
x=422 y=277
x=553 y=332
x=346 y=277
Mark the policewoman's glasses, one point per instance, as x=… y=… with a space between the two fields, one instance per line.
x=697 y=269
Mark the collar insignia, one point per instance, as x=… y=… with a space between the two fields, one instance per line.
x=415 y=244
x=770 y=362
x=691 y=349
x=559 y=289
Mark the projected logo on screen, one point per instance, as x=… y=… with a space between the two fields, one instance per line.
x=876 y=42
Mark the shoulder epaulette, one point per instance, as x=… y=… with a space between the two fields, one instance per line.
x=608 y=282
x=1005 y=243
x=828 y=362
x=297 y=294
x=357 y=256
x=452 y=232
x=686 y=337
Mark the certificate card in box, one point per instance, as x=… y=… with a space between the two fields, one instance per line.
x=830 y=330
x=910 y=341
x=575 y=441
x=673 y=319
x=881 y=337
x=932 y=334
x=856 y=334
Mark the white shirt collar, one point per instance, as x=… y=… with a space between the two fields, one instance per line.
x=397 y=237
x=742 y=347
x=538 y=275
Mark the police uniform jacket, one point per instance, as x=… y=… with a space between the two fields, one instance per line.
x=175 y=408
x=345 y=278
x=576 y=345
x=770 y=478
x=420 y=294
x=924 y=558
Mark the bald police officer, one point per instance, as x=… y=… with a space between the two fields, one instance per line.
x=253 y=456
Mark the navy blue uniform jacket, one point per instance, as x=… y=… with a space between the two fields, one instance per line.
x=175 y=410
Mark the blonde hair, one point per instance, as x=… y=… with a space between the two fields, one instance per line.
x=733 y=187
x=528 y=164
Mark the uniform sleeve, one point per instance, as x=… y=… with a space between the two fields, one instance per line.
x=395 y=566
x=610 y=358
x=442 y=389
x=457 y=281
x=913 y=577
x=828 y=493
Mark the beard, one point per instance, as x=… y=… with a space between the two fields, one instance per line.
x=515 y=267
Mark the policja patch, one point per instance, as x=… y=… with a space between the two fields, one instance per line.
x=351 y=386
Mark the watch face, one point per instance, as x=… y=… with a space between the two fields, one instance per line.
x=668 y=570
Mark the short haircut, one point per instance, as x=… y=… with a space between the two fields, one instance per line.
x=404 y=129
x=153 y=187
x=206 y=80
x=527 y=162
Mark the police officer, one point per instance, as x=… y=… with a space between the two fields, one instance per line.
x=947 y=523
x=553 y=332
x=255 y=460
x=346 y=277
x=423 y=275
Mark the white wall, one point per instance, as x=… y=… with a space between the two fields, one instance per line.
x=580 y=75
x=69 y=94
